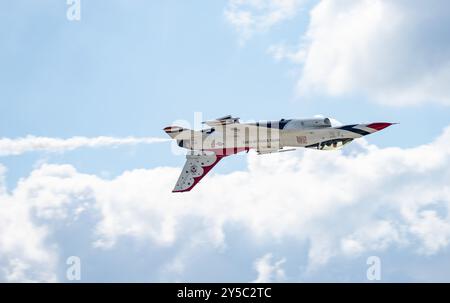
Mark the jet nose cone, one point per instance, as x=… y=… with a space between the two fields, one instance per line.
x=379 y=125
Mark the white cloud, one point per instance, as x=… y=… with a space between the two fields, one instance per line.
x=18 y=146
x=250 y=16
x=363 y=199
x=395 y=52
x=376 y=236
x=269 y=271
x=23 y=253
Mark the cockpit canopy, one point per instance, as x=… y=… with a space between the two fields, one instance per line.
x=307 y=123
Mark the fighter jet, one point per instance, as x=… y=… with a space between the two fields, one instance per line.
x=226 y=136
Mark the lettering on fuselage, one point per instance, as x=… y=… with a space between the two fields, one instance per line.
x=302 y=140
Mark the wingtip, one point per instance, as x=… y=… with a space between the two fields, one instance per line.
x=175 y=190
x=180 y=191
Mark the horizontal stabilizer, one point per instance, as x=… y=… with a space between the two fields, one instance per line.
x=222 y=121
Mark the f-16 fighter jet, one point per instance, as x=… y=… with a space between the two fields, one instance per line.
x=226 y=136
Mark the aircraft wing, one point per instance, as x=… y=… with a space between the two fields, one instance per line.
x=197 y=165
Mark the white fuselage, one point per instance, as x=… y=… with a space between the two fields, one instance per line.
x=270 y=136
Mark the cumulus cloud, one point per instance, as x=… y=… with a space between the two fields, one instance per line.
x=24 y=256
x=250 y=16
x=362 y=199
x=269 y=271
x=395 y=52
x=18 y=146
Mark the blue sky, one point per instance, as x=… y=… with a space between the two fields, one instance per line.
x=130 y=68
